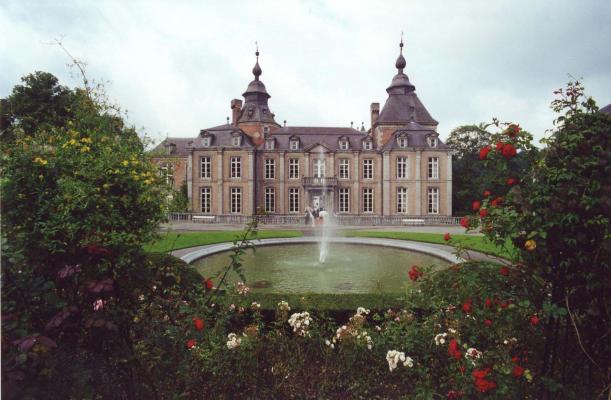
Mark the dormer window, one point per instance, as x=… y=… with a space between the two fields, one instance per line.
x=269 y=144
x=206 y=141
x=344 y=144
x=250 y=111
x=432 y=141
x=265 y=131
x=367 y=144
x=402 y=141
x=236 y=140
x=294 y=144
x=170 y=148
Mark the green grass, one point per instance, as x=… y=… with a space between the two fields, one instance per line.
x=477 y=243
x=174 y=241
x=327 y=302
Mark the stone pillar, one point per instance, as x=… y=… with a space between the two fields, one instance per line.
x=418 y=182
x=219 y=180
x=331 y=169
x=190 y=179
x=449 y=184
x=251 y=184
x=307 y=165
x=280 y=201
x=386 y=183
x=355 y=196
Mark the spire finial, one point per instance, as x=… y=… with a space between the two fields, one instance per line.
x=400 y=63
x=257 y=70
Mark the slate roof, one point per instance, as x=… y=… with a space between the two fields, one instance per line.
x=400 y=108
x=310 y=136
x=181 y=144
x=416 y=138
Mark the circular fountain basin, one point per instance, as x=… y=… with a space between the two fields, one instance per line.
x=352 y=265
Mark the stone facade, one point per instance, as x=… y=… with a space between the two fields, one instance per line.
x=397 y=167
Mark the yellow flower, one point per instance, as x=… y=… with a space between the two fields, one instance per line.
x=530 y=245
x=125 y=163
x=40 y=161
x=85 y=149
x=86 y=140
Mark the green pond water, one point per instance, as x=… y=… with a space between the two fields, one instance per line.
x=348 y=268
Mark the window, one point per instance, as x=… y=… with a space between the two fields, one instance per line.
x=343 y=144
x=205 y=168
x=166 y=172
x=293 y=168
x=401 y=200
x=433 y=200
x=270 y=168
x=433 y=167
x=235 y=141
x=402 y=141
x=236 y=167
x=344 y=200
x=269 y=144
x=367 y=169
x=319 y=168
x=367 y=145
x=206 y=199
x=294 y=144
x=367 y=200
x=344 y=168
x=265 y=131
x=270 y=200
x=294 y=200
x=401 y=167
x=432 y=141
x=206 y=142
x=236 y=200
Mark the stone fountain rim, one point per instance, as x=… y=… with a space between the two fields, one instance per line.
x=207 y=250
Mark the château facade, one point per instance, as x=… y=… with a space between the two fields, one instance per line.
x=397 y=167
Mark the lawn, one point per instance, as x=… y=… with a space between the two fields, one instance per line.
x=477 y=243
x=173 y=241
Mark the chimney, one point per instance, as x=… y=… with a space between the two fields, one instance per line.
x=375 y=112
x=236 y=109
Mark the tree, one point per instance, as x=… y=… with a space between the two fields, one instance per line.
x=469 y=180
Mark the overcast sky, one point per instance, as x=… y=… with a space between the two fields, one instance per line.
x=175 y=65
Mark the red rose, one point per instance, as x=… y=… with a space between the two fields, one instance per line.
x=484 y=385
x=209 y=284
x=480 y=373
x=512 y=181
x=414 y=273
x=198 y=323
x=513 y=130
x=453 y=395
x=447 y=237
x=483 y=213
x=499 y=147
x=486 y=193
x=483 y=153
x=453 y=349
x=517 y=371
x=488 y=303
x=515 y=359
x=534 y=320
x=466 y=307
x=464 y=222
x=488 y=322
x=509 y=151
x=504 y=271
x=505 y=304
x=476 y=205
x=191 y=343
x=496 y=202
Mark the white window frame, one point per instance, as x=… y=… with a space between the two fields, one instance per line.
x=236 y=167
x=270 y=200
x=432 y=141
x=402 y=141
x=344 y=200
x=270 y=168
x=367 y=145
x=402 y=167
x=236 y=200
x=269 y=144
x=294 y=144
x=402 y=200
x=205 y=167
x=206 y=141
x=367 y=200
x=343 y=144
x=293 y=168
x=344 y=168
x=235 y=141
x=368 y=168
x=433 y=200
x=206 y=199
x=166 y=172
x=319 y=168
x=293 y=200
x=433 y=168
